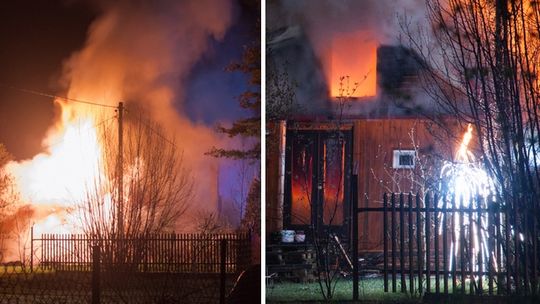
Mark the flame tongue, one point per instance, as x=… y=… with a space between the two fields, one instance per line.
x=62 y=175
x=463 y=155
x=58 y=180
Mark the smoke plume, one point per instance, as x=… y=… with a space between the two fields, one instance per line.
x=141 y=53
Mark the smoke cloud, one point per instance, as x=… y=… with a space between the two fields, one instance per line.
x=141 y=53
x=324 y=19
x=343 y=37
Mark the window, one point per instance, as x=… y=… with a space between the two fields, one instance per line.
x=404 y=159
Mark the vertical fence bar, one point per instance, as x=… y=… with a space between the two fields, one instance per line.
x=411 y=242
x=402 y=243
x=444 y=231
x=32 y=249
x=491 y=242
x=428 y=252
x=461 y=224
x=96 y=274
x=480 y=240
x=507 y=246
x=525 y=242
x=419 y=244
x=454 y=249
x=43 y=248
x=535 y=248
x=385 y=244
x=436 y=241
x=470 y=254
x=500 y=241
x=223 y=277
x=517 y=261
x=354 y=198
x=394 y=242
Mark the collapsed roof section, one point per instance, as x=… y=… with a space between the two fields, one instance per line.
x=400 y=92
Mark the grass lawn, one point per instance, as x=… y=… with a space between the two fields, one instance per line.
x=370 y=291
x=115 y=287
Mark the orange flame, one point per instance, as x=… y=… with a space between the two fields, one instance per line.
x=353 y=55
x=463 y=154
x=58 y=179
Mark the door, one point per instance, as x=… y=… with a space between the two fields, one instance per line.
x=318 y=169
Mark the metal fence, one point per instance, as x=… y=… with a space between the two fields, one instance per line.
x=165 y=268
x=177 y=253
x=444 y=245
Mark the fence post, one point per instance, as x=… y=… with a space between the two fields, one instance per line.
x=223 y=277
x=32 y=249
x=354 y=198
x=385 y=242
x=95 y=274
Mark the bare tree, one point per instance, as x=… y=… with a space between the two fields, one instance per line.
x=8 y=193
x=157 y=187
x=481 y=60
x=8 y=197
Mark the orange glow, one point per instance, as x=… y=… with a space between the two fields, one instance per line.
x=353 y=55
x=62 y=176
x=463 y=154
x=301 y=184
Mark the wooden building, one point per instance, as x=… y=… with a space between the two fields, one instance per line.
x=392 y=141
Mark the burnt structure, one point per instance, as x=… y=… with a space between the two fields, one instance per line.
x=312 y=154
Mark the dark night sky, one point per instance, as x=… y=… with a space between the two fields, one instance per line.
x=37 y=36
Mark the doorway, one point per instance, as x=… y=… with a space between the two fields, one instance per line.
x=317 y=181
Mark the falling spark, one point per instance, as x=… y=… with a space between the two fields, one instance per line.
x=471 y=187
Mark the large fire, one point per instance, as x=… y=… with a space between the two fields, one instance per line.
x=58 y=179
x=353 y=55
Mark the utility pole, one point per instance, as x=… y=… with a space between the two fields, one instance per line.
x=120 y=168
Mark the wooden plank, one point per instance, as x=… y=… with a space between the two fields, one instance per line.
x=462 y=244
x=436 y=242
x=402 y=242
x=427 y=238
x=479 y=236
x=470 y=253
x=491 y=244
x=385 y=245
x=411 y=242
x=419 y=244
x=394 y=241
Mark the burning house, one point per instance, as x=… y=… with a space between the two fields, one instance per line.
x=361 y=108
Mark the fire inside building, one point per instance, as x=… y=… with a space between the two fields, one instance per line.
x=368 y=116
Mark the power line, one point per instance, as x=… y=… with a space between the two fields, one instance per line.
x=38 y=93
x=95 y=126
x=149 y=127
x=56 y=96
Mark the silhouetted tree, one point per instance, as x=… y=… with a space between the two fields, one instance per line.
x=157 y=187
x=481 y=60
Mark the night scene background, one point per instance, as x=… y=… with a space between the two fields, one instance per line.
x=167 y=57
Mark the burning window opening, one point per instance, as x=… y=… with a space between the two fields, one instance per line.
x=353 y=55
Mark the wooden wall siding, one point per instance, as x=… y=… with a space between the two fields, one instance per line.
x=273 y=219
x=374 y=142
